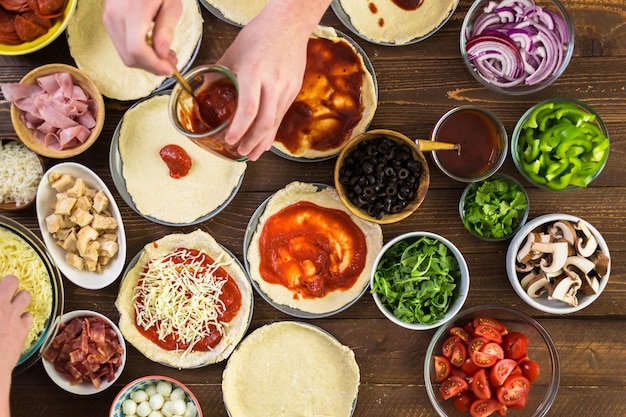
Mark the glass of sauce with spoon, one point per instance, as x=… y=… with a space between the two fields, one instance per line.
x=203 y=109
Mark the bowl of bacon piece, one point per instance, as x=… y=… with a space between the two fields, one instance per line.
x=88 y=354
x=56 y=110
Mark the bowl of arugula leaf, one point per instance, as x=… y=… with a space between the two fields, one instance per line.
x=494 y=209
x=420 y=280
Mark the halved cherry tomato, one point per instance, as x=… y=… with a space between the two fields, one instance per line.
x=484 y=408
x=448 y=345
x=476 y=343
x=514 y=389
x=501 y=371
x=499 y=326
x=463 y=401
x=503 y=410
x=530 y=369
x=469 y=367
x=488 y=332
x=442 y=368
x=459 y=354
x=514 y=345
x=480 y=385
x=452 y=386
x=494 y=349
x=520 y=404
x=460 y=332
x=482 y=359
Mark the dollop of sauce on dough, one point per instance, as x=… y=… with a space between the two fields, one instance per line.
x=329 y=105
x=176 y=159
x=311 y=250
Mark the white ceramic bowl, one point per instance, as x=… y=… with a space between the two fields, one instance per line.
x=46 y=197
x=86 y=388
x=459 y=294
x=143 y=383
x=543 y=302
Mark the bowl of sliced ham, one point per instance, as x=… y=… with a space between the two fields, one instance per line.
x=56 y=110
x=88 y=354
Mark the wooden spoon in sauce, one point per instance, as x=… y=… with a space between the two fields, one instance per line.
x=433 y=145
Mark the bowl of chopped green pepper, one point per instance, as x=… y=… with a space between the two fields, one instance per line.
x=560 y=144
x=494 y=209
x=420 y=280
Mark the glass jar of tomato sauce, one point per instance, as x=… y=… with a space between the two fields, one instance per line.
x=205 y=118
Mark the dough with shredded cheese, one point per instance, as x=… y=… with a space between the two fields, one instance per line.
x=325 y=197
x=290 y=369
x=238 y=11
x=174 y=313
x=18 y=258
x=94 y=52
x=399 y=26
x=146 y=128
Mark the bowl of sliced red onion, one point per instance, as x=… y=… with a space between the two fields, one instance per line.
x=517 y=47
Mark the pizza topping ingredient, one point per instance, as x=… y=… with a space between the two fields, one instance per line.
x=177 y=160
x=20 y=173
x=311 y=250
x=87 y=349
x=161 y=399
x=183 y=300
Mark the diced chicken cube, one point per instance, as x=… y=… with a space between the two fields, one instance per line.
x=78 y=189
x=85 y=235
x=75 y=261
x=101 y=222
x=91 y=252
x=107 y=247
x=70 y=242
x=84 y=203
x=100 y=202
x=109 y=236
x=53 y=223
x=60 y=183
x=81 y=217
x=92 y=266
x=64 y=205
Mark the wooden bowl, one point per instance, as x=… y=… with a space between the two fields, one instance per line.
x=13 y=206
x=26 y=135
x=417 y=198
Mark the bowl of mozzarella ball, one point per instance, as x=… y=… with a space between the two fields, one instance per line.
x=155 y=396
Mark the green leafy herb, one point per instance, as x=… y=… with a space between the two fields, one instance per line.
x=494 y=207
x=416 y=280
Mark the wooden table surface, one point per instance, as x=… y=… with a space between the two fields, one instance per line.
x=417 y=84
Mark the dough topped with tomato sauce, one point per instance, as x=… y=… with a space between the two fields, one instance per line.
x=309 y=252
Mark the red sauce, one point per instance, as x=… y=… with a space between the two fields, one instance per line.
x=409 y=4
x=177 y=160
x=480 y=143
x=373 y=8
x=230 y=296
x=328 y=106
x=311 y=250
x=381 y=22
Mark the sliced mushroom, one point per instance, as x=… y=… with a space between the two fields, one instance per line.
x=601 y=261
x=584 y=269
x=587 y=244
x=565 y=289
x=563 y=229
x=537 y=285
x=524 y=254
x=558 y=255
x=527 y=267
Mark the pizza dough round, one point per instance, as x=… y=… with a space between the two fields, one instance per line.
x=398 y=26
x=234 y=330
x=332 y=300
x=237 y=11
x=94 y=52
x=290 y=369
x=145 y=129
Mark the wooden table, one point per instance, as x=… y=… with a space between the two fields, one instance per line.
x=417 y=84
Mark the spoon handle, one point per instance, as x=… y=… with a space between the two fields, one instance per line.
x=431 y=145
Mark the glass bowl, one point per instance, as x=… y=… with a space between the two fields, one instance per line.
x=498 y=52
x=14 y=231
x=560 y=144
x=483 y=140
x=385 y=276
x=494 y=209
x=541 y=349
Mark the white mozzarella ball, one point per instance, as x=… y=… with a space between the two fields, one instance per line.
x=139 y=396
x=168 y=409
x=151 y=390
x=164 y=388
x=177 y=394
x=155 y=413
x=129 y=407
x=143 y=409
x=156 y=401
x=191 y=411
x=179 y=406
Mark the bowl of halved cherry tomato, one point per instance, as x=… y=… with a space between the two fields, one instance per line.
x=492 y=360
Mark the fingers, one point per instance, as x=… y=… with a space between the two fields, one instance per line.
x=21 y=300
x=8 y=286
x=164 y=28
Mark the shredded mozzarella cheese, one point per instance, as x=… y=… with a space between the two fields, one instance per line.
x=180 y=298
x=20 y=173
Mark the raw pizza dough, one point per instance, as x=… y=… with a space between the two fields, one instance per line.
x=94 y=52
x=333 y=300
x=238 y=11
x=369 y=101
x=235 y=329
x=290 y=369
x=145 y=129
x=399 y=26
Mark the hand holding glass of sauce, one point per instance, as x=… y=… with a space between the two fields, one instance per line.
x=205 y=116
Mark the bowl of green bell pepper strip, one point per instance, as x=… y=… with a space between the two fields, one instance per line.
x=560 y=144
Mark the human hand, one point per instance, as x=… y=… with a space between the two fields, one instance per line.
x=16 y=322
x=128 y=23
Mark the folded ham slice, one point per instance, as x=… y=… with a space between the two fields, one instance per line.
x=59 y=111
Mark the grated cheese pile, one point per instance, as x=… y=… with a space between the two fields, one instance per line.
x=180 y=298
x=20 y=173
x=18 y=258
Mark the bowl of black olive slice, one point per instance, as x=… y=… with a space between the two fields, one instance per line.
x=382 y=176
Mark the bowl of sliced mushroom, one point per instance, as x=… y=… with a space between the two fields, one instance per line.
x=558 y=263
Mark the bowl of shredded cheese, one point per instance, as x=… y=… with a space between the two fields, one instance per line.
x=24 y=255
x=20 y=173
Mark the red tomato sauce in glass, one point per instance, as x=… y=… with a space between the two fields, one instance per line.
x=311 y=250
x=230 y=296
x=217 y=103
x=328 y=106
x=176 y=159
